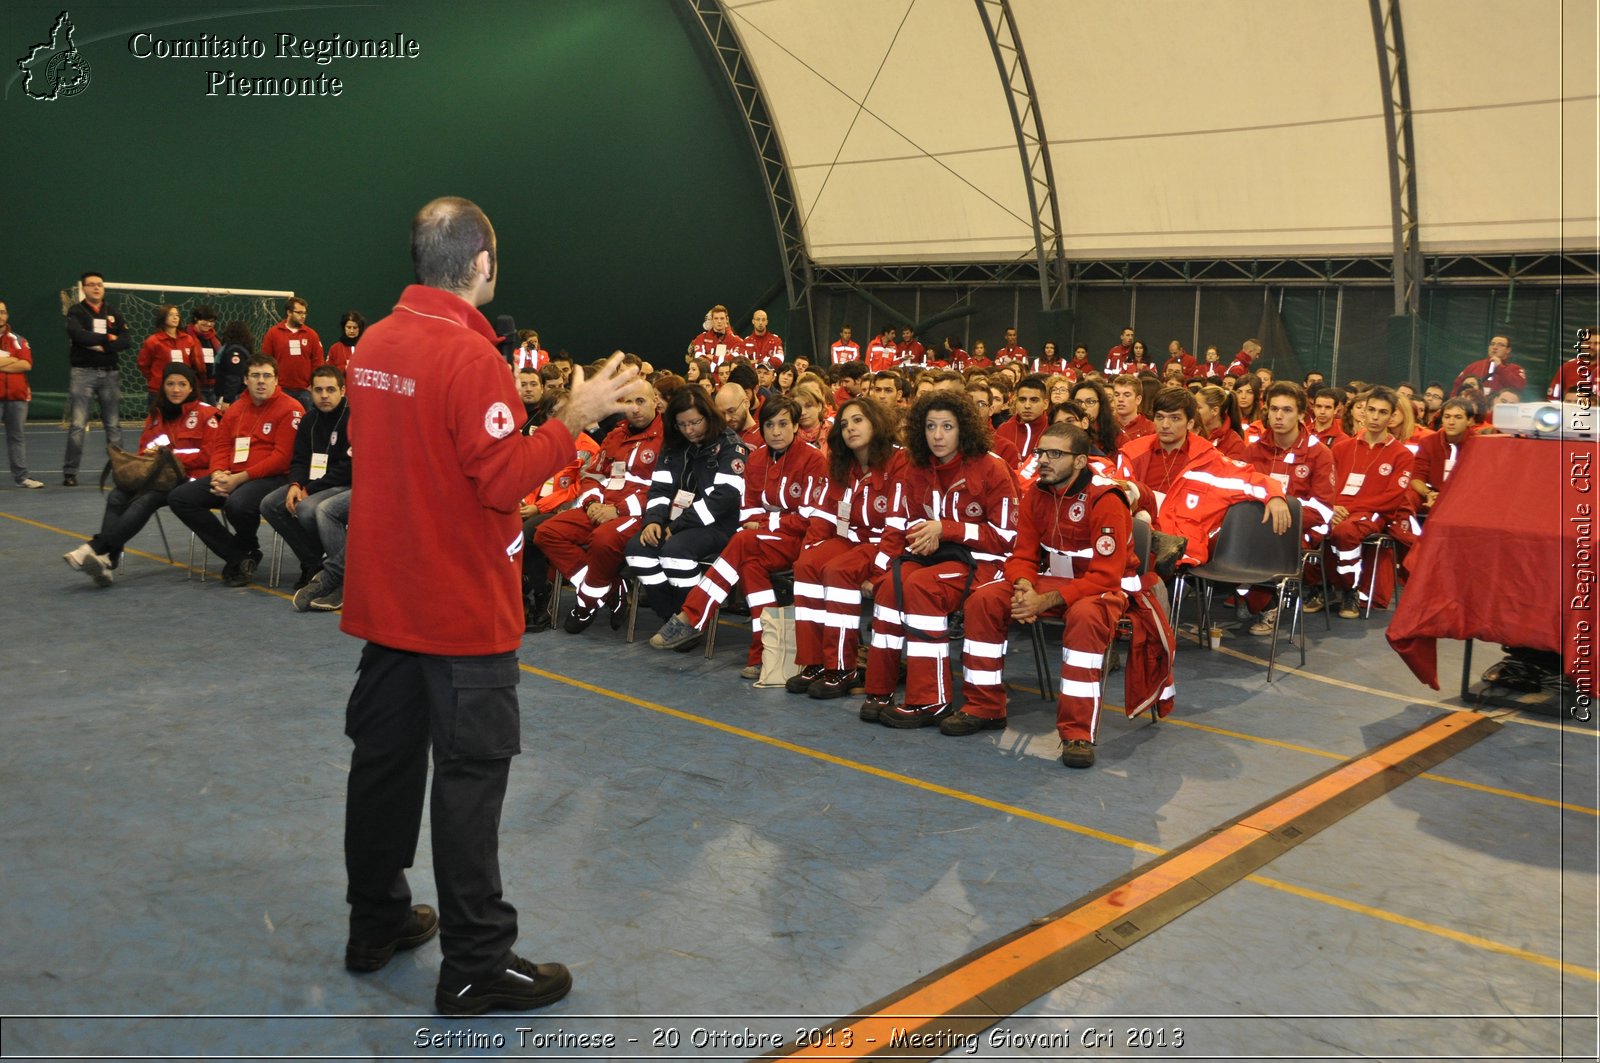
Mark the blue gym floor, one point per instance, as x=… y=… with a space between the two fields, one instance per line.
x=717 y=863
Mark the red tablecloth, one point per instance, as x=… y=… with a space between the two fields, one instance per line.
x=1509 y=556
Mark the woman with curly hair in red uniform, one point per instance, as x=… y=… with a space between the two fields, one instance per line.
x=952 y=526
x=865 y=470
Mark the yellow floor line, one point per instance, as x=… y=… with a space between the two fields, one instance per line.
x=1076 y=828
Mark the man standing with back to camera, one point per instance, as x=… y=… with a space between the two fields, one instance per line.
x=434 y=587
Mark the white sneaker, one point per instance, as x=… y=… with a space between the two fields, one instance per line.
x=78 y=555
x=30 y=483
x=1266 y=623
x=98 y=566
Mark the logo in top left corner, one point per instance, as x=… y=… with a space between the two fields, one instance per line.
x=55 y=69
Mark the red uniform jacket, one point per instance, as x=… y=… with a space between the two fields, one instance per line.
x=766 y=347
x=1137 y=428
x=1240 y=364
x=340 y=355
x=1508 y=375
x=1437 y=459
x=14 y=386
x=1117 y=360
x=1011 y=354
x=1191 y=368
x=191 y=435
x=859 y=509
x=1210 y=371
x=844 y=351
x=1384 y=471
x=913 y=353
x=558 y=492
x=161 y=350
x=1575 y=377
x=1085 y=536
x=1229 y=442
x=1332 y=434
x=752 y=437
x=1197 y=497
x=1304 y=470
x=881 y=356
x=1079 y=368
x=298 y=354
x=620 y=474
x=268 y=431
x=1023 y=435
x=973 y=499
x=526 y=357
x=778 y=491
x=443 y=470
x=717 y=349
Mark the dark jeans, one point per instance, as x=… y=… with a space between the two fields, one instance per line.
x=333 y=522
x=125 y=515
x=103 y=386
x=298 y=529
x=193 y=502
x=465 y=709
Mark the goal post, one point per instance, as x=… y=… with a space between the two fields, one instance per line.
x=258 y=308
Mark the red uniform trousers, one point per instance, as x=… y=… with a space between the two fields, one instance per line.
x=1089 y=625
x=752 y=556
x=827 y=602
x=918 y=628
x=588 y=555
x=1349 y=564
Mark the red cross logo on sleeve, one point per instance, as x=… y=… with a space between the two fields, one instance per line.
x=497 y=422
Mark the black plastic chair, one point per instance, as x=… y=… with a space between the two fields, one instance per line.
x=1047 y=685
x=1247 y=552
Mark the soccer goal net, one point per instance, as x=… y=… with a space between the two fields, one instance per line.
x=259 y=309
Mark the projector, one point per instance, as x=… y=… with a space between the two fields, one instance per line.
x=1547 y=420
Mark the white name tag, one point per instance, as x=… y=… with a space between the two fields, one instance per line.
x=177 y=356
x=619 y=472
x=319 y=466
x=294 y=348
x=159 y=441
x=241 y=448
x=680 y=502
x=208 y=354
x=1352 y=486
x=100 y=325
x=842 y=521
x=1282 y=478
x=1060 y=565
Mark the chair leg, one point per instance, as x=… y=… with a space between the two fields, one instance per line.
x=1178 y=586
x=165 y=545
x=713 y=613
x=277 y=559
x=1041 y=659
x=630 y=588
x=555 y=598
x=1372 y=583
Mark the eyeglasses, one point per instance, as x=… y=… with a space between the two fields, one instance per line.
x=1055 y=455
x=684 y=426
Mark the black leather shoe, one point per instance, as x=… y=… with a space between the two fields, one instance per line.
x=578 y=620
x=419 y=927
x=800 y=684
x=836 y=684
x=960 y=724
x=909 y=716
x=520 y=986
x=874 y=706
x=69 y=480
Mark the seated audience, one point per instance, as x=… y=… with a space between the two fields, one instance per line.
x=693 y=506
x=1372 y=473
x=1294 y=457
x=866 y=471
x=1220 y=422
x=178 y=419
x=319 y=469
x=780 y=484
x=951 y=527
x=250 y=456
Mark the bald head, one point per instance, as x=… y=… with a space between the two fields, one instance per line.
x=733 y=403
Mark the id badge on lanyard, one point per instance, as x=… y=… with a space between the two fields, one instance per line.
x=241 y=449
x=319 y=466
x=618 y=476
x=680 y=502
x=1352 y=486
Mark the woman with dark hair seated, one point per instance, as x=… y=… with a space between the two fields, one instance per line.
x=784 y=478
x=952 y=528
x=865 y=469
x=1091 y=395
x=693 y=507
x=177 y=419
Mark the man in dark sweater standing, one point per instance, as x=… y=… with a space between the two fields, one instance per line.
x=444 y=468
x=98 y=335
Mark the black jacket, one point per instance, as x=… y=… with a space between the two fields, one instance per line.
x=713 y=471
x=81 y=331
x=322 y=433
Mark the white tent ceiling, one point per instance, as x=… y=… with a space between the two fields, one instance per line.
x=1222 y=128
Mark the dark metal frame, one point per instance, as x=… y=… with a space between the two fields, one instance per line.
x=1054 y=273
x=786 y=216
